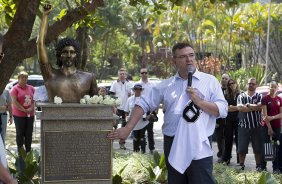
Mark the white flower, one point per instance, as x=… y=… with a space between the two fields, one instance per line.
x=87 y=99
x=82 y=101
x=58 y=100
x=94 y=99
x=118 y=102
x=109 y=101
x=100 y=99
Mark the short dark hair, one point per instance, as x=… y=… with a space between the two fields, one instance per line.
x=179 y=45
x=64 y=43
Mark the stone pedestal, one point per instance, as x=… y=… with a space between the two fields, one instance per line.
x=74 y=147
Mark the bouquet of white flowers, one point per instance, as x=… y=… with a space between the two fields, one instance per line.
x=106 y=100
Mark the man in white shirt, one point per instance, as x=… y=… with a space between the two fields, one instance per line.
x=122 y=90
x=189 y=120
x=148 y=85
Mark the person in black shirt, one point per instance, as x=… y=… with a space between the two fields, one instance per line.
x=231 y=121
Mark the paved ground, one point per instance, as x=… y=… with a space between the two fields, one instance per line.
x=250 y=162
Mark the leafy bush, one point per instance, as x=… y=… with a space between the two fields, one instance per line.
x=25 y=166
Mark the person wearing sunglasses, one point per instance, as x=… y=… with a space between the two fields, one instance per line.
x=249 y=127
x=66 y=82
x=5 y=176
x=148 y=85
x=231 y=121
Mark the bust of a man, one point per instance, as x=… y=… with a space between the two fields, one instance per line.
x=66 y=82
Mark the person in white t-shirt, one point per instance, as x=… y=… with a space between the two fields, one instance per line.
x=138 y=133
x=122 y=90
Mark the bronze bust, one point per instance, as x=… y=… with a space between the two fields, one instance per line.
x=66 y=82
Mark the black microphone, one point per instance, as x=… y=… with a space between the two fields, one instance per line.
x=191 y=70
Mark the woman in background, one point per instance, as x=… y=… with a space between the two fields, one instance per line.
x=231 y=124
x=23 y=111
x=271 y=113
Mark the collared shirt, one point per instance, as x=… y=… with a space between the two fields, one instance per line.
x=5 y=99
x=121 y=91
x=147 y=87
x=168 y=92
x=250 y=119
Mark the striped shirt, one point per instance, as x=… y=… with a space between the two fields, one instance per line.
x=250 y=119
x=168 y=92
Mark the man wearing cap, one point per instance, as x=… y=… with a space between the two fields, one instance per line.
x=139 y=140
x=193 y=100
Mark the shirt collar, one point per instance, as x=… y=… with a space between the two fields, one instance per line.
x=197 y=75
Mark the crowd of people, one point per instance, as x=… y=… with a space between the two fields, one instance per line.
x=251 y=118
x=195 y=106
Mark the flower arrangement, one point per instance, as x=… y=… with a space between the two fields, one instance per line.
x=96 y=99
x=99 y=99
x=58 y=100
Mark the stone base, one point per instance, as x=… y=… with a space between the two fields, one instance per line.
x=74 y=147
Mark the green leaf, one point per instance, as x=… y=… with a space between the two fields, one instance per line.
x=117 y=179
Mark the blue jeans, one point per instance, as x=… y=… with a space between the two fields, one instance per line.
x=199 y=171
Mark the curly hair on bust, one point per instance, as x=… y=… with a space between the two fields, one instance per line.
x=64 y=43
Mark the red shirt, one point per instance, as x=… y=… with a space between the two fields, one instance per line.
x=24 y=96
x=273 y=108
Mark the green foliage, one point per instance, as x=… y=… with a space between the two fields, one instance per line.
x=242 y=75
x=26 y=167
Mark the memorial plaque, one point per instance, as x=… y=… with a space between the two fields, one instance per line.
x=80 y=155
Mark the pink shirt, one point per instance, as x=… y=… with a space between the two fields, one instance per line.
x=24 y=96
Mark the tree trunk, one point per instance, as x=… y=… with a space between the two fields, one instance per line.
x=18 y=45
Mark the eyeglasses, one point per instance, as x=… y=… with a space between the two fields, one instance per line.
x=185 y=56
x=143 y=73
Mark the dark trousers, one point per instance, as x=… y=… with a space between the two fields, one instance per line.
x=199 y=171
x=280 y=154
x=24 y=129
x=121 y=113
x=150 y=134
x=230 y=129
x=139 y=140
x=266 y=139
x=220 y=138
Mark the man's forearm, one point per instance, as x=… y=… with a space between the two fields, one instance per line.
x=135 y=116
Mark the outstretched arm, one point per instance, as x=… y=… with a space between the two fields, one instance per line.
x=41 y=49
